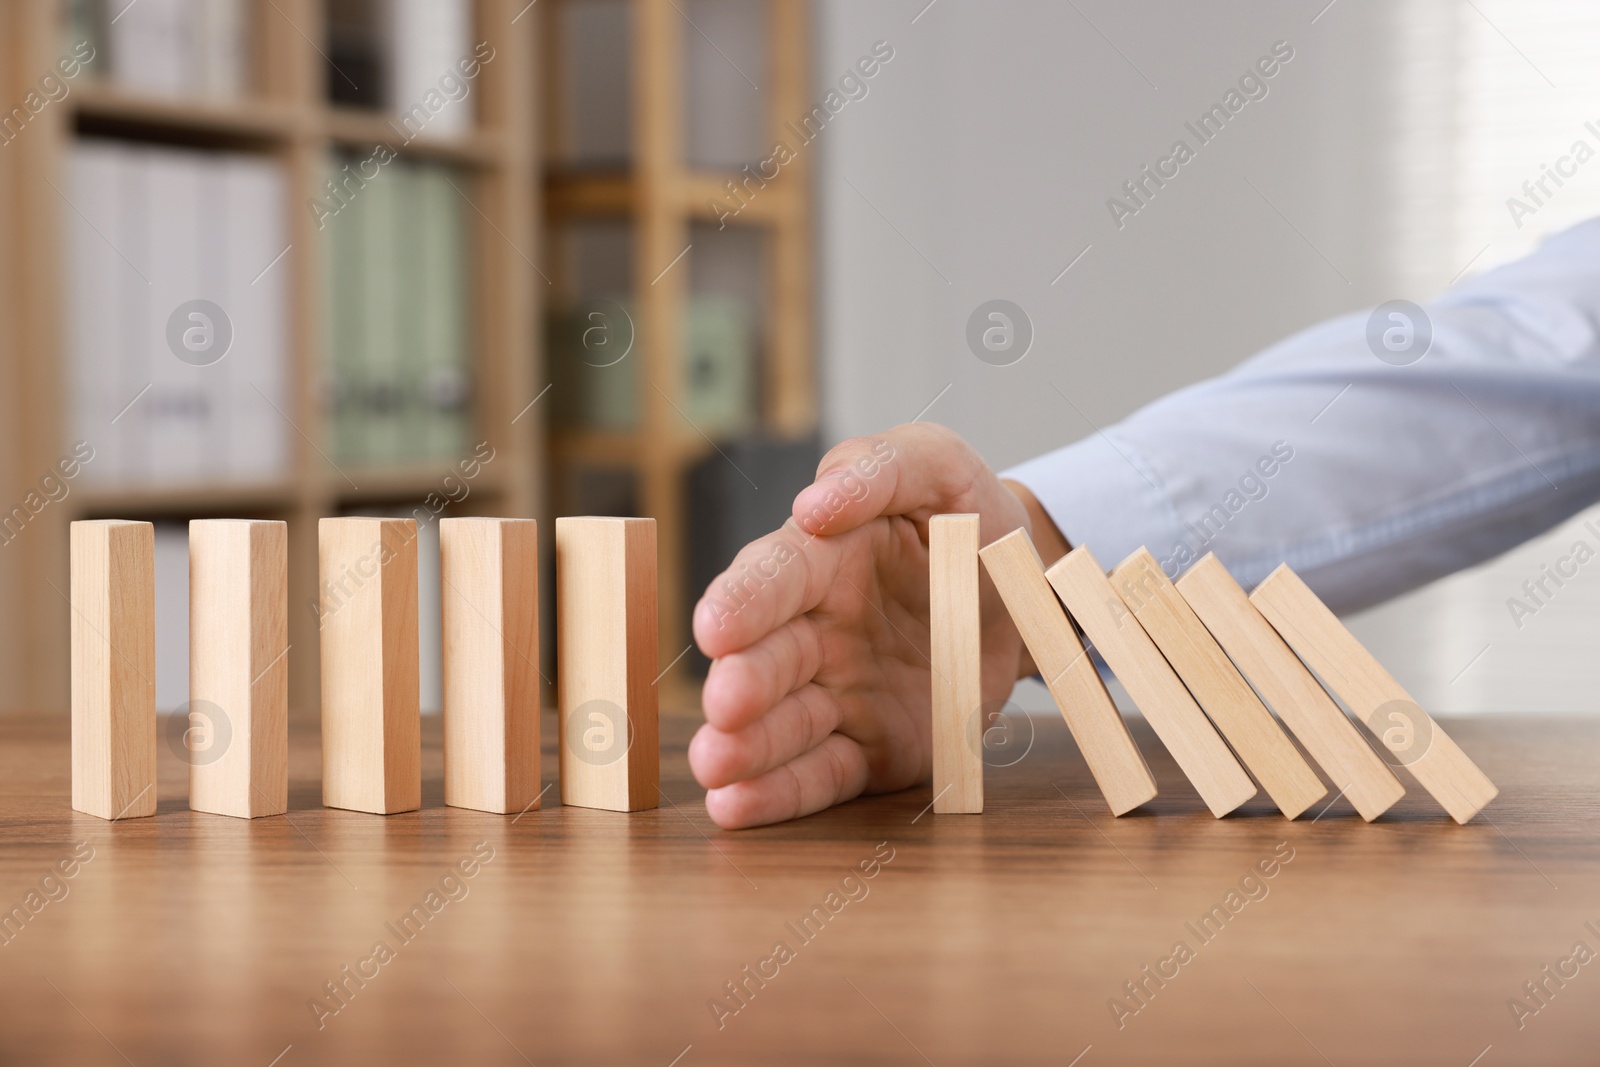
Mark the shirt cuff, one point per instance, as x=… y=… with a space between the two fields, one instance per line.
x=1101 y=493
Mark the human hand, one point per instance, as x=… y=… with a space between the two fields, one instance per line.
x=820 y=686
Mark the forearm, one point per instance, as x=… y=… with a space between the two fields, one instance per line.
x=1368 y=478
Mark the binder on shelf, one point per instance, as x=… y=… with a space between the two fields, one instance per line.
x=717 y=390
x=343 y=373
x=379 y=201
x=166 y=391
x=446 y=386
x=411 y=305
x=259 y=396
x=399 y=350
x=174 y=47
x=426 y=39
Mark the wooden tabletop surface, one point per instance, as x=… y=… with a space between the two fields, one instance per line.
x=568 y=936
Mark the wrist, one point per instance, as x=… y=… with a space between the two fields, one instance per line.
x=1047 y=538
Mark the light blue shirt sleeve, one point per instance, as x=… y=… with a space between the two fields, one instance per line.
x=1368 y=478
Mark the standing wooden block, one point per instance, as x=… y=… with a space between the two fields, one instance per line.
x=489 y=579
x=606 y=651
x=371 y=730
x=1144 y=672
x=1214 y=682
x=1115 y=761
x=113 y=668
x=957 y=664
x=1371 y=693
x=239 y=667
x=1279 y=676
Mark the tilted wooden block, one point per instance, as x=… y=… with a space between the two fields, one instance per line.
x=957 y=664
x=239 y=667
x=113 y=668
x=606 y=652
x=1115 y=761
x=1279 y=676
x=1150 y=681
x=371 y=730
x=489 y=579
x=1371 y=693
x=1223 y=694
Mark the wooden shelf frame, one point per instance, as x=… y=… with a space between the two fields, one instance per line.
x=662 y=196
x=286 y=116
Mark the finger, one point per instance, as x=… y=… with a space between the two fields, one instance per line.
x=771 y=581
x=796 y=725
x=918 y=465
x=834 y=771
x=744 y=685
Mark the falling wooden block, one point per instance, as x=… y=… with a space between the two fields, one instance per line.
x=1279 y=676
x=371 y=730
x=489 y=592
x=957 y=664
x=1352 y=674
x=1115 y=761
x=606 y=653
x=1214 y=682
x=238 y=667
x=113 y=600
x=1150 y=681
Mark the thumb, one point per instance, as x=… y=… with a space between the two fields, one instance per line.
x=916 y=467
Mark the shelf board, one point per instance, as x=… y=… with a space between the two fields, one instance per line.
x=589 y=195
x=103 y=108
x=353 y=128
x=197 y=501
x=615 y=194
x=763 y=205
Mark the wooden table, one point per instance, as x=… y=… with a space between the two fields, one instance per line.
x=592 y=937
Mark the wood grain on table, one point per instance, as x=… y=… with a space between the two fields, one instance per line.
x=579 y=936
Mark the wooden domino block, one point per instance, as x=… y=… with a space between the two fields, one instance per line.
x=957 y=662
x=489 y=591
x=113 y=668
x=371 y=730
x=1279 y=676
x=1115 y=761
x=1352 y=674
x=239 y=667
x=606 y=653
x=1150 y=681
x=1214 y=682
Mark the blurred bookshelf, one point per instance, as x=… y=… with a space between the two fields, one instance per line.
x=679 y=269
x=379 y=338
x=384 y=331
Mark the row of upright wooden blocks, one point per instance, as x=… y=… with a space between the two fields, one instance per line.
x=371 y=730
x=1202 y=660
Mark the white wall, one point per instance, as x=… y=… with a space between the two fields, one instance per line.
x=979 y=165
